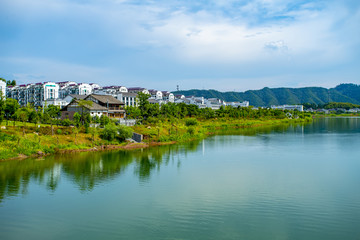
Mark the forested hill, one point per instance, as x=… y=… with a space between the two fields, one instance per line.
x=277 y=96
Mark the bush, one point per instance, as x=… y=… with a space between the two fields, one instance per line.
x=66 y=122
x=58 y=131
x=191 y=130
x=124 y=132
x=109 y=132
x=112 y=132
x=191 y=122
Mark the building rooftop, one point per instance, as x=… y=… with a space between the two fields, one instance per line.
x=105 y=99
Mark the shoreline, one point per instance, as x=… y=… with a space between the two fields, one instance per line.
x=210 y=131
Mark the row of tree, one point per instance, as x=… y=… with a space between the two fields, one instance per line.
x=331 y=105
x=182 y=110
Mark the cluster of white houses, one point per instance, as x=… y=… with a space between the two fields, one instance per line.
x=60 y=94
x=109 y=100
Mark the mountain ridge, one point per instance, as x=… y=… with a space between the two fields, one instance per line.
x=345 y=92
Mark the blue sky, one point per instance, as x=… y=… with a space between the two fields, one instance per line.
x=224 y=45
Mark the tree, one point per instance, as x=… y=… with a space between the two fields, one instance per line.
x=53 y=111
x=11 y=106
x=144 y=104
x=2 y=107
x=77 y=119
x=84 y=103
x=123 y=132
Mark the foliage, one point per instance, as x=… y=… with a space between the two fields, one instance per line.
x=191 y=122
x=112 y=132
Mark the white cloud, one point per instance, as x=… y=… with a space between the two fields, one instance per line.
x=35 y=69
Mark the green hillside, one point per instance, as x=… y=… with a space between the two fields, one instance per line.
x=277 y=96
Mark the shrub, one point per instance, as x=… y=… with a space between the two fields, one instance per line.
x=124 y=132
x=109 y=132
x=58 y=131
x=112 y=132
x=191 y=122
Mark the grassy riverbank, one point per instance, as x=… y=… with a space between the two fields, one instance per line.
x=24 y=140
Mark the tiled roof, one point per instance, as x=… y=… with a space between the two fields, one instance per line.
x=105 y=99
x=77 y=96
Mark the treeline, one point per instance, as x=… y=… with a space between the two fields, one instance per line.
x=149 y=112
x=331 y=105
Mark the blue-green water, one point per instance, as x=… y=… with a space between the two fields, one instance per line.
x=285 y=182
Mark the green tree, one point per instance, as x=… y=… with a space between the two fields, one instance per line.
x=11 y=106
x=77 y=119
x=123 y=132
x=143 y=102
x=2 y=107
x=83 y=104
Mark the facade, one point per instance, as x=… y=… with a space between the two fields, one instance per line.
x=300 y=108
x=129 y=99
x=238 y=104
x=73 y=107
x=168 y=96
x=138 y=89
x=114 y=106
x=35 y=93
x=3 y=88
x=74 y=88
x=155 y=94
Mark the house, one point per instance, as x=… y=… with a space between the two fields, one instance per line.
x=155 y=94
x=73 y=107
x=138 y=89
x=129 y=99
x=168 y=96
x=114 y=106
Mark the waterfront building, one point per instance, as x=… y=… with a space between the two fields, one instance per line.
x=300 y=108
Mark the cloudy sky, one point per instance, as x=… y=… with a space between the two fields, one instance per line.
x=216 y=44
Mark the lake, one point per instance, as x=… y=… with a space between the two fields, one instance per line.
x=283 y=182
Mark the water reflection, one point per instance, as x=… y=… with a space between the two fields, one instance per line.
x=87 y=170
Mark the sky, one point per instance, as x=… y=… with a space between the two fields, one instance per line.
x=225 y=45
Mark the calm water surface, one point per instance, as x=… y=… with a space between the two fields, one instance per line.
x=285 y=182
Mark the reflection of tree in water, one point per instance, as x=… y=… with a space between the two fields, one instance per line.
x=151 y=159
x=87 y=169
x=16 y=175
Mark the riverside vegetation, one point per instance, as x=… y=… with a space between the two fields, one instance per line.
x=26 y=131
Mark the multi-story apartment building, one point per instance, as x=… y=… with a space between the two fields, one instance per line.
x=3 y=88
x=67 y=88
x=35 y=93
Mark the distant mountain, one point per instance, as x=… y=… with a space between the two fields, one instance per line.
x=278 y=96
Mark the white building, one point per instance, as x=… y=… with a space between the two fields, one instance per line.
x=34 y=93
x=138 y=89
x=238 y=104
x=155 y=94
x=168 y=96
x=3 y=88
x=300 y=108
x=67 y=88
x=129 y=99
